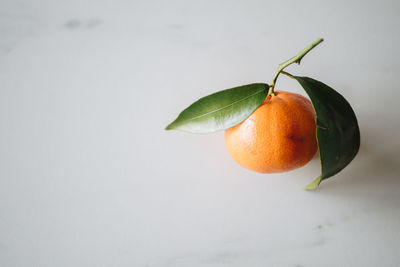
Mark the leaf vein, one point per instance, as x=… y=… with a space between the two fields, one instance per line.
x=231 y=104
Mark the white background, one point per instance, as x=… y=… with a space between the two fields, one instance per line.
x=88 y=176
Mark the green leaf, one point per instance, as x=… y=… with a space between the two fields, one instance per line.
x=220 y=110
x=338 y=134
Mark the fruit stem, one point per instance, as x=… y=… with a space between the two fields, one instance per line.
x=295 y=59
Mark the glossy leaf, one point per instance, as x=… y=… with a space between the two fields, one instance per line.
x=220 y=110
x=338 y=134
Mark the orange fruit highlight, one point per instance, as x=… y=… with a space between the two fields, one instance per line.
x=280 y=135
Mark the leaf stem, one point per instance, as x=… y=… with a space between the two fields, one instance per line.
x=295 y=59
x=287 y=74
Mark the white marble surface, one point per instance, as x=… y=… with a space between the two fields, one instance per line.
x=88 y=176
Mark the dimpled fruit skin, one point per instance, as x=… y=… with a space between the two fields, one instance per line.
x=279 y=136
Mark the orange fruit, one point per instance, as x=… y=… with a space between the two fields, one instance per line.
x=280 y=135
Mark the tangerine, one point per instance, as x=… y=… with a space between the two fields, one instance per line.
x=280 y=135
